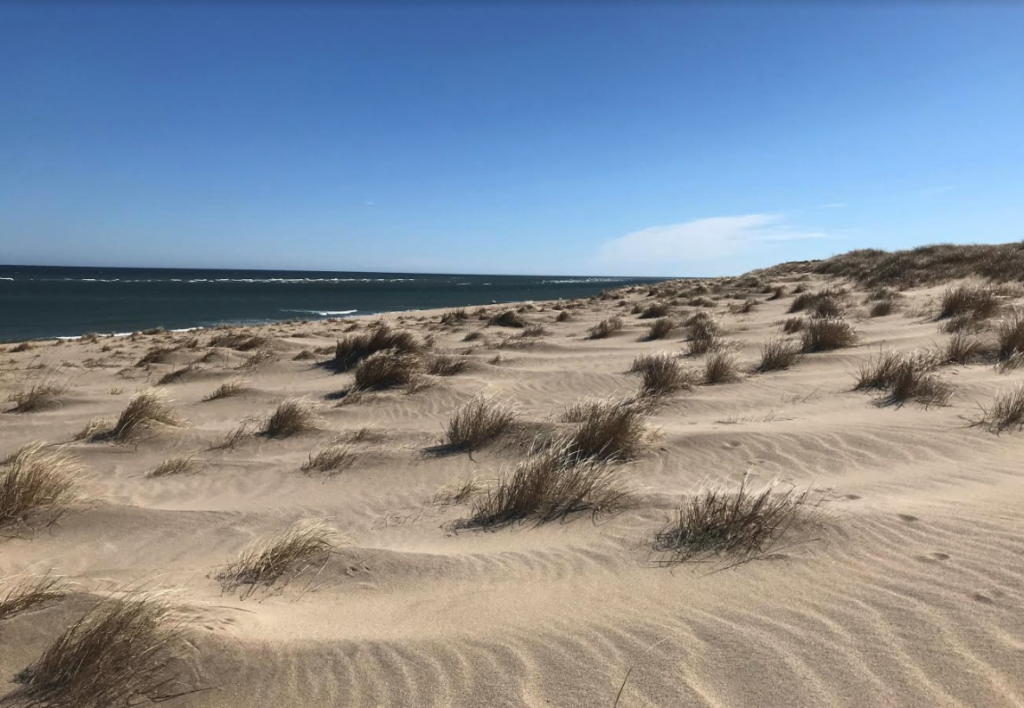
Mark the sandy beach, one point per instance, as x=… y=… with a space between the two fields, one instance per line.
x=897 y=582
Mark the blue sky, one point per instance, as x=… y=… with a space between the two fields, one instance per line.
x=610 y=138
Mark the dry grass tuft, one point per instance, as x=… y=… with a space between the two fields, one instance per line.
x=144 y=409
x=36 y=481
x=605 y=328
x=293 y=416
x=563 y=316
x=905 y=377
x=744 y=523
x=179 y=373
x=478 y=422
x=792 y=325
x=506 y=318
x=41 y=394
x=330 y=460
x=1005 y=413
x=177 y=465
x=233 y=439
x=258 y=358
x=285 y=555
x=977 y=303
x=1010 y=336
x=659 y=329
x=822 y=335
x=352 y=349
x=155 y=355
x=608 y=430
x=444 y=365
x=386 y=369
x=120 y=652
x=30 y=595
x=454 y=317
x=883 y=308
x=778 y=354
x=661 y=374
x=962 y=348
x=655 y=309
x=458 y=492
x=548 y=485
x=720 y=368
x=232 y=387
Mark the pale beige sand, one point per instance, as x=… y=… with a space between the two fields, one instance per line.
x=910 y=593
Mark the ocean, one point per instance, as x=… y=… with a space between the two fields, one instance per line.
x=38 y=302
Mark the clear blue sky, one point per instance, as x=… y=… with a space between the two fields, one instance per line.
x=612 y=138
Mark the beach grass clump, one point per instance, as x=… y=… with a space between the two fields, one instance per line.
x=39 y=395
x=778 y=354
x=292 y=417
x=606 y=328
x=720 y=367
x=479 y=421
x=822 y=335
x=280 y=556
x=905 y=377
x=506 y=318
x=119 y=653
x=178 y=374
x=258 y=358
x=962 y=348
x=655 y=310
x=174 y=466
x=155 y=355
x=36 y=480
x=445 y=365
x=457 y=492
x=883 y=308
x=793 y=325
x=563 y=316
x=977 y=303
x=1005 y=413
x=386 y=369
x=454 y=317
x=549 y=485
x=661 y=374
x=660 y=328
x=778 y=292
x=143 y=410
x=330 y=460
x=31 y=594
x=613 y=429
x=1010 y=336
x=744 y=523
x=231 y=387
x=355 y=347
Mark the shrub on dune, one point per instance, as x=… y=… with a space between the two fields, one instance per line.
x=549 y=485
x=979 y=303
x=883 y=308
x=143 y=410
x=454 y=317
x=444 y=365
x=506 y=318
x=612 y=429
x=792 y=325
x=905 y=377
x=172 y=466
x=36 y=479
x=661 y=374
x=480 y=421
x=962 y=348
x=655 y=309
x=1010 y=335
x=120 y=652
x=659 y=329
x=720 y=368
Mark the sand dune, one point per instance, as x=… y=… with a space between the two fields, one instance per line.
x=906 y=591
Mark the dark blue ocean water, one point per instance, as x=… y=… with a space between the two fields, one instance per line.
x=42 y=301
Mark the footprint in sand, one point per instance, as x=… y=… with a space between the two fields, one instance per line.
x=934 y=557
x=907 y=518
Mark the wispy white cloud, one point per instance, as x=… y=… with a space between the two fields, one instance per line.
x=674 y=248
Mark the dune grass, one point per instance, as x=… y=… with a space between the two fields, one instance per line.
x=155 y=355
x=174 y=466
x=31 y=594
x=178 y=374
x=549 y=485
x=961 y=348
x=119 y=653
x=605 y=328
x=613 y=429
x=229 y=388
x=353 y=348
x=40 y=395
x=479 y=421
x=792 y=325
x=720 y=367
x=457 y=492
x=386 y=369
x=1010 y=335
x=883 y=308
x=292 y=417
x=143 y=410
x=661 y=374
x=778 y=354
x=904 y=377
x=744 y=523
x=978 y=303
x=822 y=335
x=506 y=318
x=655 y=310
x=330 y=460
x=445 y=365
x=280 y=556
x=1005 y=413
x=37 y=481
x=455 y=316
x=659 y=329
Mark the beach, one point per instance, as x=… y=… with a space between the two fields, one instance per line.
x=896 y=579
